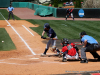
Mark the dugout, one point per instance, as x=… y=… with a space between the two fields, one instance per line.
x=4 y=3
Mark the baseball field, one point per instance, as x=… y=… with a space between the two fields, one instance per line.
x=21 y=44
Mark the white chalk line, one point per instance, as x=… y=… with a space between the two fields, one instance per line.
x=19 y=36
x=28 y=30
x=13 y=63
x=32 y=63
x=25 y=44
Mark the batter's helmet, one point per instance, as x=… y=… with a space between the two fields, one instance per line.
x=46 y=25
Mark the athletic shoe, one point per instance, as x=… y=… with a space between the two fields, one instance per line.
x=43 y=55
x=64 y=60
x=65 y=19
x=98 y=59
x=84 y=61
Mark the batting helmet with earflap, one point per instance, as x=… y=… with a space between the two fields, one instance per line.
x=46 y=25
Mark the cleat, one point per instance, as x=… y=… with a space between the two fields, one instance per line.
x=64 y=60
x=84 y=61
x=43 y=55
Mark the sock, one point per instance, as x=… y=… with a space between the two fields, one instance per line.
x=45 y=51
x=73 y=18
x=57 y=50
x=66 y=17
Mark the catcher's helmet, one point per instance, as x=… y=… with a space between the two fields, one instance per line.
x=65 y=41
x=46 y=25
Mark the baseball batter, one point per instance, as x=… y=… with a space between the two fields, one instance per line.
x=52 y=37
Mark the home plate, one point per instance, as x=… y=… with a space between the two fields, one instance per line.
x=34 y=58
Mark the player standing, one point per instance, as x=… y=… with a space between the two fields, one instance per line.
x=69 y=13
x=10 y=10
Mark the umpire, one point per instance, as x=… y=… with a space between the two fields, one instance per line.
x=90 y=45
x=10 y=10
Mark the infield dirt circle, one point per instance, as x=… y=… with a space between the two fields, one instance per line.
x=26 y=59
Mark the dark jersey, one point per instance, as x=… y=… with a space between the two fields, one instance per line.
x=51 y=33
x=69 y=11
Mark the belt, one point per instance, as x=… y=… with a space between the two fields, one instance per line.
x=95 y=44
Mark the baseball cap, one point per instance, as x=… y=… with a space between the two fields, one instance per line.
x=83 y=33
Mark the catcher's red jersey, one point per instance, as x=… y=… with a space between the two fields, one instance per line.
x=70 y=48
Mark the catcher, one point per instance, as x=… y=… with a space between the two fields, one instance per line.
x=69 y=50
x=51 y=37
x=69 y=13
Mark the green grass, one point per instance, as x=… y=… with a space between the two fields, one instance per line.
x=64 y=29
x=5 y=13
x=69 y=29
x=7 y=44
x=4 y=36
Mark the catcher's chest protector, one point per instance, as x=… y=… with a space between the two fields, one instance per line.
x=69 y=47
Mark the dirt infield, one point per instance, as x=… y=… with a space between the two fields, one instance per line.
x=23 y=62
x=26 y=59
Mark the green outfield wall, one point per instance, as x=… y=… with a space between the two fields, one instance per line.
x=34 y=6
x=4 y=3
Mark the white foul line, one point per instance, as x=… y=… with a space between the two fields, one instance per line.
x=19 y=35
x=27 y=30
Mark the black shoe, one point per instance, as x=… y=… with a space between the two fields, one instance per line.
x=98 y=59
x=84 y=61
x=64 y=60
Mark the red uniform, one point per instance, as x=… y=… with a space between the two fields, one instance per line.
x=70 y=48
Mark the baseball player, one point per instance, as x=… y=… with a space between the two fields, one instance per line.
x=69 y=13
x=52 y=37
x=10 y=10
x=69 y=50
x=90 y=45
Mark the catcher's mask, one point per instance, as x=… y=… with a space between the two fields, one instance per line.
x=65 y=41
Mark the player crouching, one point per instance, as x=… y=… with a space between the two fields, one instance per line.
x=69 y=50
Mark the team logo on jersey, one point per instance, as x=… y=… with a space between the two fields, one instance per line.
x=81 y=12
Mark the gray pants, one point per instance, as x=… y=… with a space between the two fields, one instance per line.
x=51 y=42
x=10 y=13
x=92 y=49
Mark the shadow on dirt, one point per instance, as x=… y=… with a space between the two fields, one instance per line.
x=58 y=43
x=81 y=73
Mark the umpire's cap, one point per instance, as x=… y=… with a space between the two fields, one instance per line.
x=83 y=33
x=46 y=25
x=10 y=4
